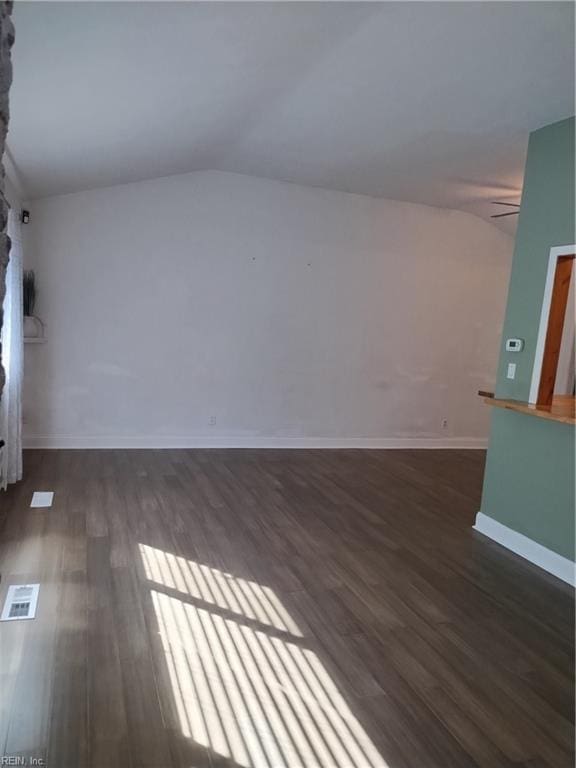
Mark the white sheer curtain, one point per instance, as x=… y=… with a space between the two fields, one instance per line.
x=13 y=361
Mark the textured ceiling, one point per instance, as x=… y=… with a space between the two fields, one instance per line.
x=427 y=102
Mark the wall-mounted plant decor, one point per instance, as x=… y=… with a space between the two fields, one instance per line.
x=28 y=292
x=6 y=42
x=33 y=327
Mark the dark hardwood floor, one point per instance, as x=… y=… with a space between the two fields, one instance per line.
x=276 y=608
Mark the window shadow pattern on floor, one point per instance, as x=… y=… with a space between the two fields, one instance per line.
x=245 y=683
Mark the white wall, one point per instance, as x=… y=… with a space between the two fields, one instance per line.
x=285 y=312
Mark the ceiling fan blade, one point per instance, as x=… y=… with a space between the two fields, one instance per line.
x=501 y=215
x=511 y=205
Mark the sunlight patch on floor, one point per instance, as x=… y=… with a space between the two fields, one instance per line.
x=243 y=692
x=240 y=596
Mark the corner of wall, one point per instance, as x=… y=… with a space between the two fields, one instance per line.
x=529 y=478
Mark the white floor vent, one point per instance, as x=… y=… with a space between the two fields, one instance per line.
x=20 y=602
x=42 y=499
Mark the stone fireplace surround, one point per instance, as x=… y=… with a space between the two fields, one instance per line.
x=6 y=42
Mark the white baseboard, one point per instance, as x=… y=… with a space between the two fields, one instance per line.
x=544 y=558
x=167 y=441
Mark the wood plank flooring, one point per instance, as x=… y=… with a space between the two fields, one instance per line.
x=305 y=609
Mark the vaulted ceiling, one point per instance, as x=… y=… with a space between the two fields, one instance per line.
x=426 y=102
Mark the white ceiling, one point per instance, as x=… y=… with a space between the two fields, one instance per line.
x=427 y=102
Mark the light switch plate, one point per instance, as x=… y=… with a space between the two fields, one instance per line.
x=511 y=373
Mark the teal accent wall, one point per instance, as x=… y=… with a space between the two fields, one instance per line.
x=529 y=479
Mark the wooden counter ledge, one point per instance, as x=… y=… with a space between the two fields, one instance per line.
x=563 y=408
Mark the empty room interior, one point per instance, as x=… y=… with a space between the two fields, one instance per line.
x=287 y=384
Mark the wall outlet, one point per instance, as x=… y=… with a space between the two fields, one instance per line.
x=444 y=423
x=511 y=372
x=212 y=421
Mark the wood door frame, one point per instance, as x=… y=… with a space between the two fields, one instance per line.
x=556 y=253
